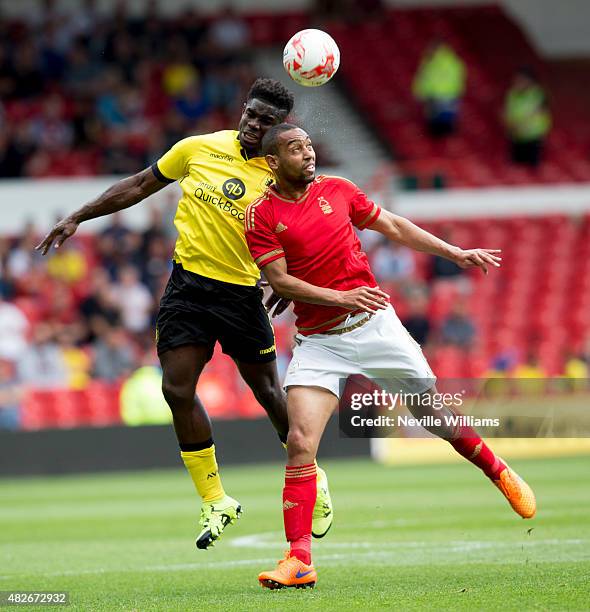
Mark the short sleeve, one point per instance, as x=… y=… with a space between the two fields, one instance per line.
x=173 y=164
x=363 y=212
x=262 y=241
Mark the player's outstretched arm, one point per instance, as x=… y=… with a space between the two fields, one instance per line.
x=399 y=229
x=121 y=195
x=369 y=299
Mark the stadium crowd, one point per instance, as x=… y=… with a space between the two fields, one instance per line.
x=82 y=93
x=87 y=313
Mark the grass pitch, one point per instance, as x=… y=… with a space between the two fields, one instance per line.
x=411 y=538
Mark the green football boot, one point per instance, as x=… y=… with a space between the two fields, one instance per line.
x=215 y=517
x=323 y=514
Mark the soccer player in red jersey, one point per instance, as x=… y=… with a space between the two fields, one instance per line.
x=301 y=234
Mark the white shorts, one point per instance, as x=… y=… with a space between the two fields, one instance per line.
x=380 y=349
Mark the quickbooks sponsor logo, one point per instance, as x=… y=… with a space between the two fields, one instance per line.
x=233 y=188
x=221 y=203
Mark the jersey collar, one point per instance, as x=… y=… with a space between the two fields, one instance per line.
x=242 y=151
x=298 y=200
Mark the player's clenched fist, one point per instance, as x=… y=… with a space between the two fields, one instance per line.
x=369 y=299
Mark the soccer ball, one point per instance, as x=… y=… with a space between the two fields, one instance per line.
x=311 y=58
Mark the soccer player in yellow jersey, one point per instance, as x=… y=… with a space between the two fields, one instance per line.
x=212 y=295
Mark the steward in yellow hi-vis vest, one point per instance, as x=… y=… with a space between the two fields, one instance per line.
x=218 y=182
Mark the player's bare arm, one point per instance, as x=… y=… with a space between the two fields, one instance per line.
x=402 y=230
x=368 y=299
x=123 y=194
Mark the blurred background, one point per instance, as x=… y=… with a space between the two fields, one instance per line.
x=470 y=118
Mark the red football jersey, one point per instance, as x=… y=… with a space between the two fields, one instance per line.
x=315 y=234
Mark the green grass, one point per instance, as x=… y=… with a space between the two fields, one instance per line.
x=410 y=538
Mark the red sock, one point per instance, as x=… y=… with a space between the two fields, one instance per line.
x=468 y=444
x=298 y=501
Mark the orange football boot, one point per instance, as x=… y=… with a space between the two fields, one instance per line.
x=518 y=493
x=290 y=572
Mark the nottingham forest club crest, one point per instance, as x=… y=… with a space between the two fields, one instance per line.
x=325 y=205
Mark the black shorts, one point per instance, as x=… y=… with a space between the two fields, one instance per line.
x=199 y=310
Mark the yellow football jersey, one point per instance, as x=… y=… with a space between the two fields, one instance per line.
x=218 y=183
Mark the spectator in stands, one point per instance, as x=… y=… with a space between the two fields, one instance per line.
x=52 y=50
x=576 y=371
x=42 y=364
x=155 y=229
x=367 y=9
x=15 y=148
x=77 y=360
x=13 y=331
x=416 y=320
x=156 y=264
x=223 y=87
x=113 y=246
x=134 y=300
x=332 y=9
x=392 y=262
x=116 y=229
x=113 y=356
x=83 y=74
x=439 y=85
x=23 y=257
x=527 y=118
x=99 y=309
x=61 y=307
x=193 y=28
x=11 y=394
x=7 y=288
x=68 y=265
x=458 y=328
x=27 y=79
x=530 y=367
x=142 y=401
x=529 y=376
x=444 y=271
x=192 y=102
x=83 y=21
x=230 y=35
x=117 y=87
x=179 y=71
x=49 y=128
x=5 y=76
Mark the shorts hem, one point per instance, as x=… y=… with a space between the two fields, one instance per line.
x=326 y=388
x=161 y=349
x=266 y=358
x=314 y=383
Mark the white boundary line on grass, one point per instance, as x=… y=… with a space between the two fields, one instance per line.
x=274 y=540
x=453 y=546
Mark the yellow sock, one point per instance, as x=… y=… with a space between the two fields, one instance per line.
x=202 y=466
